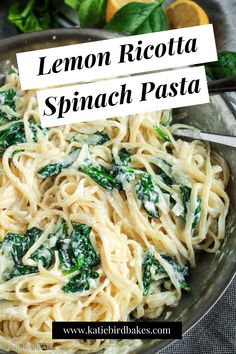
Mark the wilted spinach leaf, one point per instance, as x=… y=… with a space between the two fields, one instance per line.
x=164 y=178
x=7 y=99
x=44 y=254
x=21 y=269
x=197 y=213
x=101 y=176
x=55 y=168
x=36 y=129
x=12 y=135
x=52 y=169
x=80 y=282
x=147 y=194
x=125 y=156
x=81 y=245
x=17 y=246
x=186 y=193
x=77 y=252
x=150 y=262
x=97 y=138
x=180 y=272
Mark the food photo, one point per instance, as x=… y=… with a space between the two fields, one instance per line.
x=127 y=219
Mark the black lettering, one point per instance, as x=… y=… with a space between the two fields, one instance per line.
x=110 y=99
x=123 y=53
x=50 y=106
x=86 y=101
x=102 y=98
x=73 y=62
x=171 y=45
x=125 y=95
x=191 y=45
x=194 y=86
x=55 y=65
x=173 y=88
x=75 y=102
x=161 y=91
x=138 y=50
x=41 y=67
x=101 y=57
x=145 y=53
x=179 y=47
x=147 y=87
x=160 y=50
x=183 y=91
x=64 y=106
x=89 y=61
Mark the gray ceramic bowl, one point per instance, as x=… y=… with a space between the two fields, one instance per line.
x=214 y=272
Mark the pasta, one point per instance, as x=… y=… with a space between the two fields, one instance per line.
x=122 y=192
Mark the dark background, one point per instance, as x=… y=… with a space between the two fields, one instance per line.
x=216 y=332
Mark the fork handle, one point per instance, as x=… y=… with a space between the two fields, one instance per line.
x=224 y=85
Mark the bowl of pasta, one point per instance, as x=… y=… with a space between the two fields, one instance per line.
x=109 y=220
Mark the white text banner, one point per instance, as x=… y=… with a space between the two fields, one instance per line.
x=116 y=57
x=118 y=97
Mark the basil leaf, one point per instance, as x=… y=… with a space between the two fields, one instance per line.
x=32 y=15
x=138 y=18
x=92 y=13
x=224 y=67
x=73 y=3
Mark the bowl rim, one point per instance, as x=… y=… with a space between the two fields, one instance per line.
x=10 y=43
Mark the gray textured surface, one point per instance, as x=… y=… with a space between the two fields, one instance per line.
x=216 y=332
